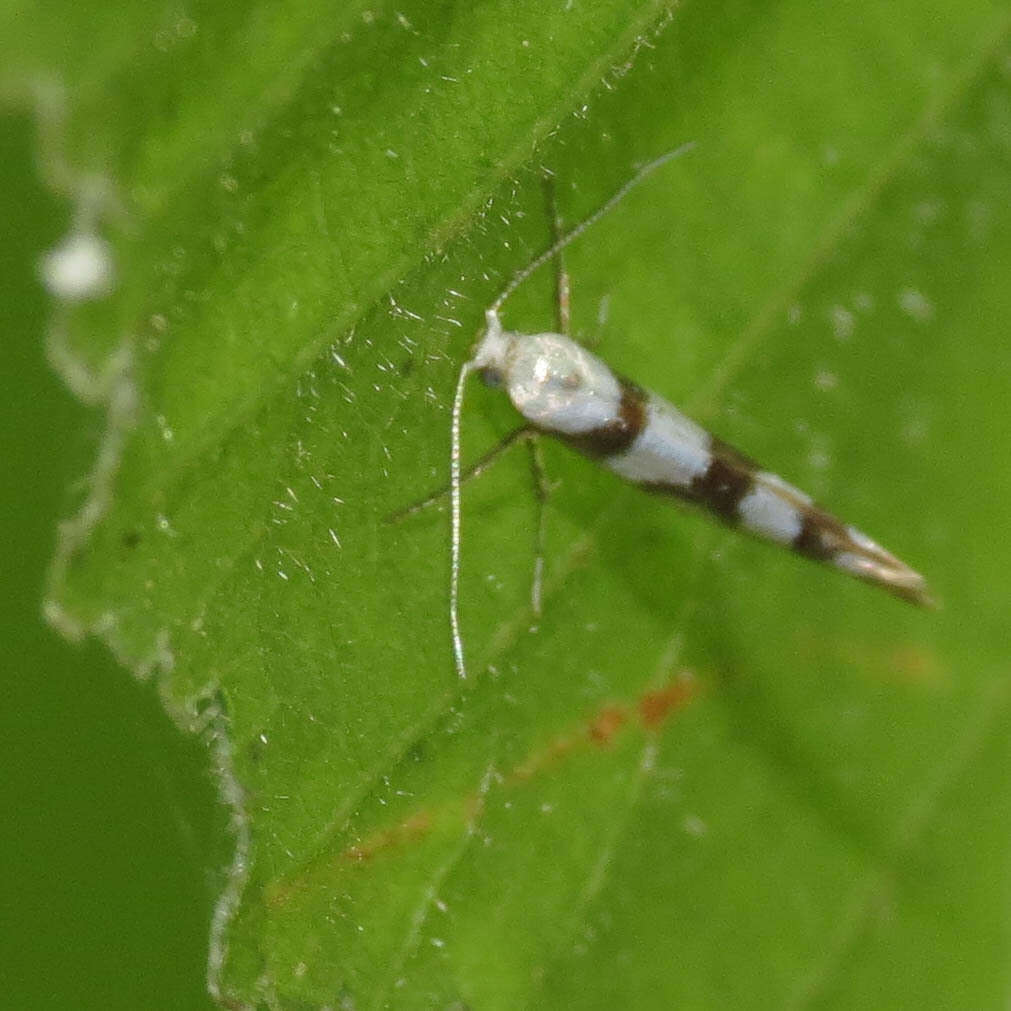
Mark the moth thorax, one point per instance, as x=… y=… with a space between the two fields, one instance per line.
x=559 y=385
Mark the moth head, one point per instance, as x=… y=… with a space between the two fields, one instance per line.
x=492 y=351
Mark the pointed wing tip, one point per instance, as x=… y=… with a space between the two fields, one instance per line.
x=873 y=564
x=906 y=584
x=918 y=594
x=923 y=597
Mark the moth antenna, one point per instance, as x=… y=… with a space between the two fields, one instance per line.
x=493 y=326
x=570 y=236
x=454 y=541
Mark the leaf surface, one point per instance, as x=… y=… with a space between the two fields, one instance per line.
x=711 y=774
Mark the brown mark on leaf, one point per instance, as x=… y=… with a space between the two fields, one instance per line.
x=608 y=721
x=655 y=707
x=410 y=829
x=651 y=710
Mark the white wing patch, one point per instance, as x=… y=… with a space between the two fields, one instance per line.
x=670 y=450
x=764 y=511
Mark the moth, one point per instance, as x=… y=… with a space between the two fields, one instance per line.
x=563 y=390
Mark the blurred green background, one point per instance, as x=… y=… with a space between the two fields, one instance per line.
x=109 y=848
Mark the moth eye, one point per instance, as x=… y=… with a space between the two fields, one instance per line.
x=491 y=377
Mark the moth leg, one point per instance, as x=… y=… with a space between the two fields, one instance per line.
x=563 y=284
x=542 y=489
x=562 y=288
x=476 y=469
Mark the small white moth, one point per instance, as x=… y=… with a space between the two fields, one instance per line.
x=563 y=390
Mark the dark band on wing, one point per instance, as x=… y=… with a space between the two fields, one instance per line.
x=821 y=536
x=728 y=479
x=616 y=435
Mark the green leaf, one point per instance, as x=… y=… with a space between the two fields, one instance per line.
x=712 y=774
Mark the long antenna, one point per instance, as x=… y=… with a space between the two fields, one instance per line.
x=492 y=316
x=616 y=198
x=454 y=541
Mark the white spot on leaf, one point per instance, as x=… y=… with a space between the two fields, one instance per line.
x=78 y=269
x=915 y=304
